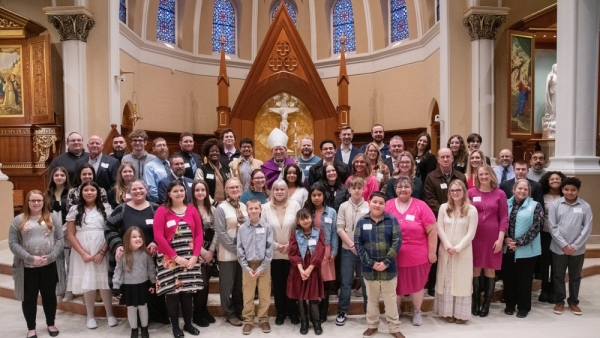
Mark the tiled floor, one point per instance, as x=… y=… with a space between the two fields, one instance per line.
x=541 y=322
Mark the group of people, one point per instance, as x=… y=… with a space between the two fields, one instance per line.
x=151 y=229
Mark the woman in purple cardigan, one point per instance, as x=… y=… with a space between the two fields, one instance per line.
x=492 y=211
x=178 y=235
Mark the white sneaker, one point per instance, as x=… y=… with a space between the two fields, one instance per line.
x=91 y=323
x=112 y=321
x=417 y=318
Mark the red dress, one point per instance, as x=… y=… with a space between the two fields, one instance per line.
x=312 y=288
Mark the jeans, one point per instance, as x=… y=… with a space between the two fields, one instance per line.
x=560 y=263
x=350 y=262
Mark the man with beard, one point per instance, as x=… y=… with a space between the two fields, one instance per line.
x=243 y=166
x=308 y=158
x=191 y=160
x=377 y=133
x=157 y=169
x=396 y=147
x=273 y=168
x=328 y=152
x=505 y=171
x=105 y=167
x=176 y=173
x=139 y=157
x=347 y=151
x=70 y=159
x=119 y=148
x=537 y=163
x=229 y=151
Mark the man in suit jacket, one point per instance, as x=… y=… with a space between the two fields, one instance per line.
x=520 y=168
x=377 y=133
x=177 y=173
x=396 y=147
x=191 y=160
x=345 y=154
x=229 y=152
x=106 y=167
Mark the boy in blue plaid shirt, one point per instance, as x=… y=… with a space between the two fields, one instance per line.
x=377 y=239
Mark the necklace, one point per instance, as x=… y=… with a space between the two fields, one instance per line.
x=486 y=202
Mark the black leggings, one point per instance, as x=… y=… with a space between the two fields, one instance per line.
x=173 y=301
x=41 y=280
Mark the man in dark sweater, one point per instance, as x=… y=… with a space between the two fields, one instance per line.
x=119 y=147
x=70 y=158
x=328 y=152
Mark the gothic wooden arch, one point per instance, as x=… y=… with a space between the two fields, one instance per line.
x=283 y=64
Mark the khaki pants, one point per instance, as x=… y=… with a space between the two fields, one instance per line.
x=387 y=290
x=249 y=285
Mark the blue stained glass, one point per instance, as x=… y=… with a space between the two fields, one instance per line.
x=438 y=10
x=165 y=30
x=223 y=25
x=343 y=24
x=399 y=25
x=290 y=10
x=122 y=11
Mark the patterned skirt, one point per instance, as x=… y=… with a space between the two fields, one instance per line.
x=173 y=278
x=446 y=305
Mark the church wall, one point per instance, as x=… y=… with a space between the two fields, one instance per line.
x=380 y=23
x=185 y=24
x=323 y=23
x=243 y=31
x=413 y=32
x=205 y=31
x=264 y=20
x=152 y=20
x=135 y=13
x=360 y=26
x=303 y=23
x=588 y=191
x=428 y=14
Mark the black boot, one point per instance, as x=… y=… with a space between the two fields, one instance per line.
x=476 y=301
x=324 y=309
x=134 y=333
x=303 y=317
x=315 y=318
x=489 y=285
x=145 y=333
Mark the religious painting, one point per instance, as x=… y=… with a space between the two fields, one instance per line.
x=11 y=81
x=521 y=81
x=288 y=113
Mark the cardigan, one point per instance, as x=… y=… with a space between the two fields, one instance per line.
x=281 y=232
x=166 y=223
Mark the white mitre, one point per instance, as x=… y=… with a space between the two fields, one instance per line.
x=277 y=138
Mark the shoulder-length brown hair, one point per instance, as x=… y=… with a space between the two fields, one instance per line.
x=493 y=178
x=206 y=203
x=378 y=161
x=415 y=150
x=120 y=187
x=49 y=196
x=128 y=250
x=27 y=213
x=413 y=166
x=464 y=209
x=368 y=168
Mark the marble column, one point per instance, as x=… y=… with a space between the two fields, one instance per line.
x=73 y=24
x=482 y=22
x=577 y=90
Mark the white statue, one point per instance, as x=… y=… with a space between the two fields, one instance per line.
x=284 y=111
x=549 y=119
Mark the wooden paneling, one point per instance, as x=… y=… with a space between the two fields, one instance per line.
x=171 y=138
x=409 y=136
x=42 y=108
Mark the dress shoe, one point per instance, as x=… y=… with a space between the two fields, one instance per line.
x=509 y=312
x=397 y=334
x=201 y=321
x=449 y=319
x=177 y=333
x=145 y=333
x=559 y=308
x=295 y=320
x=209 y=318
x=134 y=333
x=191 y=330
x=575 y=309
x=543 y=297
x=235 y=321
x=369 y=333
x=34 y=335
x=247 y=329
x=522 y=313
x=279 y=319
x=460 y=321
x=265 y=327
x=53 y=333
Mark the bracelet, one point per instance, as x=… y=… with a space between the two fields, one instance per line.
x=175 y=258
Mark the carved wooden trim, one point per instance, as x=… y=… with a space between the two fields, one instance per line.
x=42 y=107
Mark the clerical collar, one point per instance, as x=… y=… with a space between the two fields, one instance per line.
x=281 y=164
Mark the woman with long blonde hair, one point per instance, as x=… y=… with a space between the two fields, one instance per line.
x=119 y=193
x=378 y=168
x=476 y=158
x=362 y=169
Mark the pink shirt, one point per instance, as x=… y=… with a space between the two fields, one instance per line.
x=371 y=185
x=413 y=221
x=166 y=223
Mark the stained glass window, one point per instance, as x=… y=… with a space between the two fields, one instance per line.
x=343 y=24
x=399 y=21
x=223 y=26
x=165 y=30
x=122 y=11
x=438 y=10
x=290 y=10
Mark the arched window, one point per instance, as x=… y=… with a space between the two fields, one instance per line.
x=165 y=30
x=343 y=24
x=223 y=26
x=399 y=21
x=290 y=10
x=123 y=11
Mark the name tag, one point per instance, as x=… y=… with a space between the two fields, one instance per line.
x=104 y=165
x=577 y=210
x=312 y=242
x=410 y=217
x=149 y=221
x=43 y=223
x=307 y=167
x=190 y=184
x=530 y=208
x=186 y=165
x=171 y=223
x=367 y=226
x=387 y=156
x=379 y=176
x=160 y=170
x=328 y=220
x=210 y=176
x=128 y=196
x=260 y=230
x=444 y=186
x=364 y=210
x=476 y=198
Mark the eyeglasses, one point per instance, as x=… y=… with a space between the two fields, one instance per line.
x=36 y=201
x=137 y=141
x=455 y=191
x=235 y=187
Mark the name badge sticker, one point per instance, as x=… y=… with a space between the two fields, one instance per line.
x=160 y=170
x=308 y=167
x=260 y=230
x=104 y=165
x=379 y=176
x=210 y=176
x=171 y=223
x=190 y=184
x=577 y=210
x=150 y=221
x=186 y=165
x=410 y=217
x=128 y=196
x=387 y=156
x=312 y=242
x=443 y=186
x=364 y=210
x=476 y=198
x=328 y=220
x=367 y=226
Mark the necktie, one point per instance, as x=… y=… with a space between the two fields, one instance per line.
x=193 y=164
x=167 y=167
x=229 y=153
x=504 y=175
x=246 y=172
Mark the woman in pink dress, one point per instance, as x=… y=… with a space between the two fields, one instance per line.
x=492 y=210
x=361 y=168
x=419 y=241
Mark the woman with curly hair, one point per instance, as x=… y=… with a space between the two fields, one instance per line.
x=459 y=151
x=292 y=175
x=213 y=172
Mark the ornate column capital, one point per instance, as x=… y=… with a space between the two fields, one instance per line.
x=72 y=22
x=482 y=21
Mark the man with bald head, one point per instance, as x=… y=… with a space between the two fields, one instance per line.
x=106 y=167
x=70 y=159
x=437 y=184
x=504 y=170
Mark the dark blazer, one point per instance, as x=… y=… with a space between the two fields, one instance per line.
x=353 y=152
x=106 y=176
x=426 y=164
x=226 y=160
x=316 y=172
x=388 y=162
x=164 y=183
x=536 y=190
x=189 y=173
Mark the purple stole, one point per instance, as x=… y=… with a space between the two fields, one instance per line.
x=272 y=170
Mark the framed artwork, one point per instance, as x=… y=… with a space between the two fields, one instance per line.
x=11 y=81
x=521 y=84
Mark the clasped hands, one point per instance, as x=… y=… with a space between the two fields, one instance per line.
x=379 y=266
x=510 y=243
x=569 y=250
x=305 y=273
x=40 y=260
x=187 y=263
x=283 y=248
x=96 y=259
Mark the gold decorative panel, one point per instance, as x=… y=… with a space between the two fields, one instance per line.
x=300 y=124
